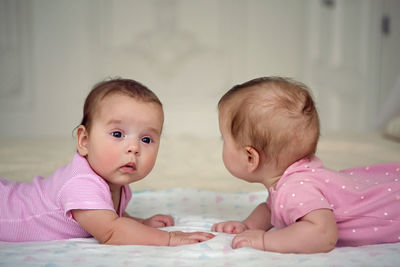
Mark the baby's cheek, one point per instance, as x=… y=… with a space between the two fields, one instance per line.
x=149 y=162
x=108 y=158
x=112 y=157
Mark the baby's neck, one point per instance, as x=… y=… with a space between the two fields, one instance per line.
x=114 y=188
x=272 y=181
x=271 y=176
x=115 y=191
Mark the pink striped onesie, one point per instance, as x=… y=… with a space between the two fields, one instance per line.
x=41 y=210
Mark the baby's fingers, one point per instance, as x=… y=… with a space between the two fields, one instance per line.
x=217 y=227
x=228 y=227
x=200 y=236
x=224 y=227
x=239 y=242
x=250 y=238
x=165 y=220
x=232 y=229
x=158 y=224
x=181 y=238
x=159 y=220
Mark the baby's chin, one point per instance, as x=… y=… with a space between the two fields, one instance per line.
x=123 y=178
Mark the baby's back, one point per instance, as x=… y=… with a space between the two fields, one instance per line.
x=32 y=211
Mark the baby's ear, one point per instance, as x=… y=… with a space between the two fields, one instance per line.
x=253 y=158
x=82 y=140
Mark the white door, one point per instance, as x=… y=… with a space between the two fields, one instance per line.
x=390 y=63
x=342 y=62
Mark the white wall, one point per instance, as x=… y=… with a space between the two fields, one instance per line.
x=48 y=90
x=188 y=52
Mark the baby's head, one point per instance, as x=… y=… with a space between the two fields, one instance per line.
x=120 y=130
x=274 y=115
x=103 y=89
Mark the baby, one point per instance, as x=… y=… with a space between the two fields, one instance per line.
x=117 y=144
x=270 y=129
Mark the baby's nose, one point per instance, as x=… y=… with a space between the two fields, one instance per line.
x=133 y=146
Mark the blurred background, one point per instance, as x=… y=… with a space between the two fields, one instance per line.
x=190 y=52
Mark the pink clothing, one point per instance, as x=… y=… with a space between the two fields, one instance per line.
x=365 y=201
x=41 y=210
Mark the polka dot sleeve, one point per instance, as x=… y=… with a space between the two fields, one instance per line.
x=295 y=199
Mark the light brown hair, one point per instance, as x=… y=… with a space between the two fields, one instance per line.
x=102 y=89
x=275 y=115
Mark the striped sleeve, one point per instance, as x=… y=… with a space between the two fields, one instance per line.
x=84 y=192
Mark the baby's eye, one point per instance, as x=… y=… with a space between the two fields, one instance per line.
x=117 y=134
x=146 y=140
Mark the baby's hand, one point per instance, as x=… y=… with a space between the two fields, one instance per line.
x=230 y=227
x=178 y=238
x=159 y=220
x=249 y=238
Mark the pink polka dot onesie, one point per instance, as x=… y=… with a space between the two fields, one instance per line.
x=365 y=201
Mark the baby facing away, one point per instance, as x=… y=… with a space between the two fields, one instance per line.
x=117 y=144
x=270 y=130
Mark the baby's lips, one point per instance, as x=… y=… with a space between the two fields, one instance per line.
x=130 y=167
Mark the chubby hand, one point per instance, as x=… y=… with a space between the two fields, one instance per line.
x=159 y=220
x=177 y=238
x=230 y=227
x=249 y=238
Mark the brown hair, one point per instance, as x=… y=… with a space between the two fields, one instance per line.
x=275 y=115
x=115 y=86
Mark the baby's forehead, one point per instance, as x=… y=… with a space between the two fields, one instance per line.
x=114 y=94
x=111 y=97
x=112 y=101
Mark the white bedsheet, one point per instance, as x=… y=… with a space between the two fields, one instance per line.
x=193 y=210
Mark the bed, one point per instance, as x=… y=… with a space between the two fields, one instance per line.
x=189 y=182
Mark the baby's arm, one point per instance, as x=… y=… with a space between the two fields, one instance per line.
x=108 y=228
x=315 y=232
x=260 y=218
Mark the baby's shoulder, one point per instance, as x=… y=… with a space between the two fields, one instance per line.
x=304 y=180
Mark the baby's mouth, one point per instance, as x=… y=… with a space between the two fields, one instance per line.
x=130 y=167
